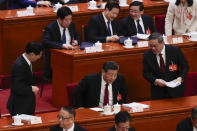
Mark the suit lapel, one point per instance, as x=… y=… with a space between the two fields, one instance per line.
x=114 y=92
x=57 y=30
x=167 y=53
x=145 y=24
x=71 y=33
x=131 y=25
x=155 y=62
x=103 y=24
x=98 y=86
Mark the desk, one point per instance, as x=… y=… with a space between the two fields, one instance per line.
x=15 y=31
x=70 y=66
x=163 y=115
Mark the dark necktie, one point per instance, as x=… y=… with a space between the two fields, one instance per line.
x=106 y=96
x=108 y=28
x=64 y=37
x=140 y=31
x=162 y=65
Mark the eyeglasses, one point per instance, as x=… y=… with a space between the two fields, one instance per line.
x=62 y=118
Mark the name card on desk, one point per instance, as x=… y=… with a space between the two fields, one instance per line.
x=142 y=44
x=74 y=8
x=177 y=40
x=36 y=120
x=24 y=13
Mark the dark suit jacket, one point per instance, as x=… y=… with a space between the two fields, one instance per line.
x=62 y=1
x=114 y=129
x=18 y=4
x=97 y=29
x=58 y=128
x=87 y=93
x=52 y=40
x=151 y=69
x=127 y=25
x=185 y=125
x=22 y=99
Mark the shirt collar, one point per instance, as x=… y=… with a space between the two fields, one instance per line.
x=61 y=28
x=105 y=19
x=139 y=19
x=70 y=129
x=26 y=59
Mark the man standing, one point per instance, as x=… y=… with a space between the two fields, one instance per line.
x=164 y=63
x=22 y=93
x=122 y=122
x=66 y=119
x=100 y=89
x=136 y=22
x=104 y=27
x=60 y=34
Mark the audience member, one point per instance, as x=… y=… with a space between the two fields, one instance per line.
x=102 y=88
x=164 y=63
x=23 y=90
x=136 y=22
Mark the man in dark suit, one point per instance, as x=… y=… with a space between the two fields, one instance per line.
x=100 y=89
x=136 y=22
x=122 y=122
x=66 y=119
x=104 y=27
x=22 y=93
x=189 y=123
x=164 y=63
x=60 y=34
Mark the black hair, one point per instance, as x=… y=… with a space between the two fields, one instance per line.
x=189 y=2
x=194 y=113
x=156 y=36
x=34 y=47
x=110 y=5
x=137 y=3
x=110 y=65
x=63 y=12
x=122 y=117
x=70 y=110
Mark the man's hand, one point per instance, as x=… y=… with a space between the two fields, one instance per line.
x=35 y=89
x=160 y=82
x=44 y=3
x=179 y=79
x=74 y=42
x=67 y=46
x=113 y=38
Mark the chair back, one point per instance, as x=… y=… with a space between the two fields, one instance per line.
x=159 y=21
x=70 y=89
x=191 y=84
x=84 y=33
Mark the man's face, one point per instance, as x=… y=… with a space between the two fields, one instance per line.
x=123 y=126
x=155 y=46
x=110 y=76
x=183 y=1
x=135 y=12
x=65 y=119
x=194 y=122
x=66 y=21
x=112 y=14
x=35 y=57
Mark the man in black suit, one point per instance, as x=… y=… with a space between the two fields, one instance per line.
x=189 y=123
x=66 y=119
x=104 y=27
x=102 y=88
x=22 y=93
x=164 y=63
x=122 y=122
x=60 y=34
x=136 y=22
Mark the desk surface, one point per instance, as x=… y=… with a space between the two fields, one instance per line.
x=162 y=113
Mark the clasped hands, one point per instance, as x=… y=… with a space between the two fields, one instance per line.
x=161 y=82
x=68 y=46
x=113 y=38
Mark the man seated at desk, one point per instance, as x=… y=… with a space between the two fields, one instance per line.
x=66 y=119
x=104 y=27
x=102 y=88
x=164 y=63
x=189 y=123
x=136 y=22
x=60 y=34
x=122 y=122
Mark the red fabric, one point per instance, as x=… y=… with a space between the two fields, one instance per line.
x=162 y=65
x=160 y=23
x=106 y=96
x=70 y=89
x=191 y=84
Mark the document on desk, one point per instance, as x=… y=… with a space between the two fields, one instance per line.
x=172 y=84
x=97 y=109
x=134 y=104
x=142 y=36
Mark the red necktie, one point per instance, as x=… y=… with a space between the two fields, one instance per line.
x=162 y=65
x=106 y=96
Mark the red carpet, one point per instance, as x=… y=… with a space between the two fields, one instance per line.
x=43 y=104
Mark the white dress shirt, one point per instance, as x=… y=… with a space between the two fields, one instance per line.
x=110 y=26
x=28 y=62
x=194 y=128
x=68 y=38
x=141 y=23
x=103 y=83
x=70 y=129
x=163 y=55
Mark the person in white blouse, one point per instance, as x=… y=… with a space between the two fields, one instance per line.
x=181 y=17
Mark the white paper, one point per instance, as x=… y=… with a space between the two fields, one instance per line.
x=142 y=44
x=36 y=120
x=30 y=118
x=142 y=36
x=134 y=104
x=96 y=109
x=172 y=84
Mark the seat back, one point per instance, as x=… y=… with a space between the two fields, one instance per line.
x=70 y=89
x=191 y=84
x=84 y=33
x=159 y=21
